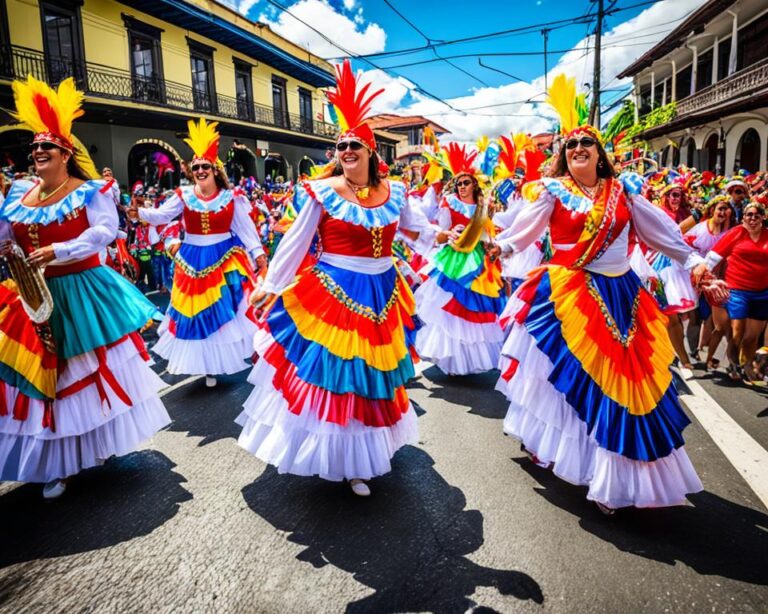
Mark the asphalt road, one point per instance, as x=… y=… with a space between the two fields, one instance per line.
x=464 y=522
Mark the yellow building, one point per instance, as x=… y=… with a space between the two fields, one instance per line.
x=148 y=65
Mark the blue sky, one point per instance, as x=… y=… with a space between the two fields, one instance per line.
x=369 y=27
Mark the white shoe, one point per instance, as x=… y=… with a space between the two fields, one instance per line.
x=360 y=488
x=686 y=373
x=210 y=381
x=54 y=489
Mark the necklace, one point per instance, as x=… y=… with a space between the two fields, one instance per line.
x=42 y=196
x=361 y=191
x=592 y=192
x=199 y=192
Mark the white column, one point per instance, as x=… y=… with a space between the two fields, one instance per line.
x=653 y=89
x=664 y=92
x=637 y=97
x=674 y=80
x=694 y=68
x=733 y=57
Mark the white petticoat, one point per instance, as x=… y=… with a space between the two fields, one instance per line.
x=302 y=444
x=456 y=346
x=87 y=431
x=224 y=352
x=541 y=418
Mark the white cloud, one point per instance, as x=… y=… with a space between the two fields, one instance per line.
x=351 y=33
x=644 y=30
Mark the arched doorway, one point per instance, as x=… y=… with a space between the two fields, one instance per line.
x=275 y=166
x=241 y=162
x=14 y=152
x=748 y=152
x=305 y=166
x=689 y=153
x=709 y=154
x=154 y=162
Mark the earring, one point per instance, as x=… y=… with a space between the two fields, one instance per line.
x=601 y=165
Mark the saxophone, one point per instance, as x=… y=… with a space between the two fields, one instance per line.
x=35 y=296
x=474 y=230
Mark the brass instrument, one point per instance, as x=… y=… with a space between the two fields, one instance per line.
x=33 y=291
x=473 y=232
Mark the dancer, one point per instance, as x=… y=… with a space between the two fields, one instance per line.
x=586 y=363
x=207 y=329
x=461 y=301
x=75 y=385
x=335 y=349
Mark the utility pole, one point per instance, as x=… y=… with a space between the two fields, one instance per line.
x=594 y=109
x=545 y=34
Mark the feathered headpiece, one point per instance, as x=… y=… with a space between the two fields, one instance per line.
x=459 y=161
x=352 y=106
x=49 y=114
x=204 y=141
x=571 y=109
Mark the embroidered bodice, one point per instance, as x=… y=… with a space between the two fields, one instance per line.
x=203 y=217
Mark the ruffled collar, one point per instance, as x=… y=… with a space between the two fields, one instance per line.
x=459 y=206
x=194 y=202
x=13 y=210
x=565 y=190
x=354 y=213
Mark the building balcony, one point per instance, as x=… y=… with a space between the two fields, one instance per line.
x=99 y=81
x=741 y=84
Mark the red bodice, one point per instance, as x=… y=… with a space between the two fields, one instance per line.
x=345 y=238
x=32 y=236
x=566 y=225
x=208 y=222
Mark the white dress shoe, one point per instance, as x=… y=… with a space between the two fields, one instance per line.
x=360 y=488
x=210 y=381
x=54 y=489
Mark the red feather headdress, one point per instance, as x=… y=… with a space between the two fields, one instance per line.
x=460 y=161
x=352 y=105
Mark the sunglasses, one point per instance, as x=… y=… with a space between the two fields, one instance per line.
x=737 y=191
x=464 y=183
x=201 y=167
x=352 y=145
x=45 y=146
x=585 y=142
x=675 y=195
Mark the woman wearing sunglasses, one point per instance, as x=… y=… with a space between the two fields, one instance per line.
x=461 y=301
x=745 y=251
x=75 y=383
x=335 y=348
x=207 y=329
x=586 y=363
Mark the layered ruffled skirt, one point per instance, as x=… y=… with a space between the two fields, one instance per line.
x=586 y=370
x=329 y=394
x=94 y=397
x=460 y=305
x=209 y=326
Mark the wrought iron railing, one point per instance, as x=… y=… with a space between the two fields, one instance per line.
x=104 y=82
x=743 y=82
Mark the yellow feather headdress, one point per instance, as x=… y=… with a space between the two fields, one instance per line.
x=571 y=109
x=49 y=114
x=203 y=140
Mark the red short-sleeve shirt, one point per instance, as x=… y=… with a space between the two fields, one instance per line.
x=746 y=260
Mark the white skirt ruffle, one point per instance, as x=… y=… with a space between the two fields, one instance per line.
x=456 y=346
x=541 y=418
x=87 y=430
x=302 y=444
x=224 y=352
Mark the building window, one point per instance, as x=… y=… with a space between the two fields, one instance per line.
x=244 y=91
x=704 y=70
x=305 y=110
x=723 y=53
x=683 y=83
x=415 y=136
x=203 y=86
x=752 y=43
x=280 y=102
x=6 y=63
x=146 y=61
x=62 y=41
x=645 y=101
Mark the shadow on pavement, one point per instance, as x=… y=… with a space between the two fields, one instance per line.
x=208 y=413
x=408 y=542
x=129 y=497
x=473 y=391
x=713 y=537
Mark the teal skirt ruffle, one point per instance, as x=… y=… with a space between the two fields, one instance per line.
x=93 y=309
